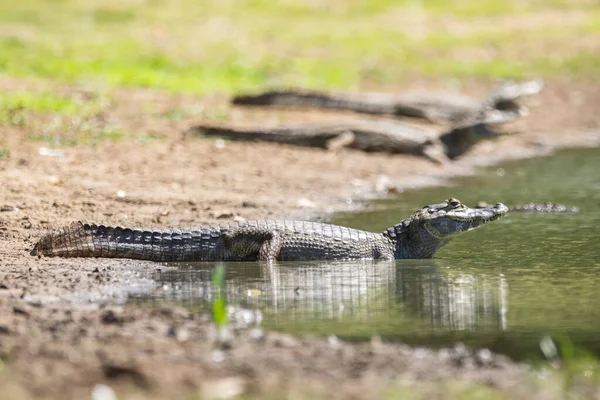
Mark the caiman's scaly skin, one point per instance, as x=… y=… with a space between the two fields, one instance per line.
x=382 y=135
x=470 y=121
x=500 y=105
x=418 y=236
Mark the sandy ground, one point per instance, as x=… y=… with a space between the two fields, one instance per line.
x=61 y=331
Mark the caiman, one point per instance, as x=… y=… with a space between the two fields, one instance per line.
x=418 y=236
x=368 y=135
x=501 y=104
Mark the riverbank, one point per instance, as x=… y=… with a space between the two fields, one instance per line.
x=55 y=344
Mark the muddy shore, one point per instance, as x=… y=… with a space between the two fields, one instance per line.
x=63 y=330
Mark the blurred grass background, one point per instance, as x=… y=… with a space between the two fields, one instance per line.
x=201 y=47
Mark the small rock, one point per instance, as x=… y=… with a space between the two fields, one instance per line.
x=241 y=317
x=54 y=180
x=383 y=184
x=44 y=151
x=239 y=218
x=8 y=208
x=223 y=215
x=333 y=340
x=421 y=352
x=253 y=292
x=103 y=392
x=305 y=203
x=484 y=357
x=357 y=183
x=219 y=144
x=217 y=356
x=459 y=354
x=121 y=193
x=180 y=334
x=225 y=388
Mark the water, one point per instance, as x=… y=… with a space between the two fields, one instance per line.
x=503 y=286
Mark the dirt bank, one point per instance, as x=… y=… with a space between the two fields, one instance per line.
x=53 y=343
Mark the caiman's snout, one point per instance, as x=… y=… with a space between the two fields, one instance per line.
x=478 y=216
x=452 y=217
x=500 y=210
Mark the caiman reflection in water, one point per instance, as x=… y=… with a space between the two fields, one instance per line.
x=351 y=299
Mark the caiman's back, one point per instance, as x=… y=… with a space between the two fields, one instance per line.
x=318 y=241
x=237 y=241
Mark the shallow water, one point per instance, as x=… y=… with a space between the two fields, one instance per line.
x=503 y=286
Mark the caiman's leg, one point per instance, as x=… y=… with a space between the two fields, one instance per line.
x=269 y=250
x=252 y=244
x=435 y=153
x=343 y=140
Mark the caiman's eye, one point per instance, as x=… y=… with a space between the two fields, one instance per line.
x=453 y=203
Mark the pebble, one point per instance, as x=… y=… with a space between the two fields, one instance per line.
x=103 y=392
x=306 y=203
x=224 y=388
x=333 y=340
x=54 y=180
x=219 y=144
x=217 y=356
x=44 y=151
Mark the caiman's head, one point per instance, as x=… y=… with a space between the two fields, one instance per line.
x=433 y=226
x=448 y=219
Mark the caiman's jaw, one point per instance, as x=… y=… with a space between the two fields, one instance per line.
x=450 y=218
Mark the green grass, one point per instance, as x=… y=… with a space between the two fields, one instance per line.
x=68 y=104
x=219 y=307
x=57 y=119
x=204 y=46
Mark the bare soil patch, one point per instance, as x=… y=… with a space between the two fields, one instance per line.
x=57 y=342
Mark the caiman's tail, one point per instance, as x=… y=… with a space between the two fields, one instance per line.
x=90 y=240
x=234 y=134
x=75 y=240
x=289 y=98
x=305 y=98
